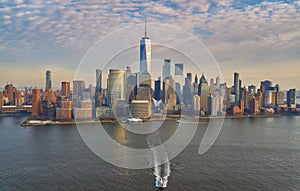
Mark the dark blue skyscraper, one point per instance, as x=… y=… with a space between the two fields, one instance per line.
x=291 y=97
x=157 y=89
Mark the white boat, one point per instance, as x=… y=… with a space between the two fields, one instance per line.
x=134 y=120
x=161 y=182
x=178 y=121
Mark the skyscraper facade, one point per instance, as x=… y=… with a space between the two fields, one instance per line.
x=291 y=97
x=203 y=91
x=98 y=80
x=78 y=87
x=145 y=53
x=116 y=84
x=35 y=102
x=166 y=69
x=157 y=89
x=236 y=87
x=48 y=79
x=178 y=69
x=65 y=89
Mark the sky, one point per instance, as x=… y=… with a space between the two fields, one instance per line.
x=260 y=39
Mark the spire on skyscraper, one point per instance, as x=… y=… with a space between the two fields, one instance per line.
x=145 y=27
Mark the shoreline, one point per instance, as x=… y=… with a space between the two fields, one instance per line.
x=169 y=118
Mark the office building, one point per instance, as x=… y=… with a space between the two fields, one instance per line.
x=116 y=85
x=169 y=95
x=203 y=92
x=291 y=97
x=236 y=87
x=157 y=89
x=187 y=90
x=178 y=69
x=280 y=99
x=64 y=110
x=254 y=108
x=166 y=69
x=131 y=85
x=85 y=111
x=65 y=89
x=78 y=87
x=48 y=79
x=196 y=103
x=252 y=89
x=140 y=109
x=98 y=80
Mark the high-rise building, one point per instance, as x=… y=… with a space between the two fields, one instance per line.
x=85 y=111
x=203 y=91
x=35 y=102
x=145 y=53
x=280 y=98
x=166 y=69
x=169 y=95
x=268 y=98
x=178 y=69
x=236 y=87
x=65 y=89
x=116 y=85
x=98 y=80
x=157 y=89
x=48 y=79
x=131 y=85
x=212 y=86
x=252 y=89
x=254 y=109
x=178 y=93
x=187 y=90
x=215 y=105
x=140 y=109
x=1 y=99
x=64 y=110
x=10 y=93
x=78 y=87
x=217 y=86
x=291 y=97
x=196 y=103
x=266 y=84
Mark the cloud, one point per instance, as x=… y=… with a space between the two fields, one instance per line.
x=34 y=27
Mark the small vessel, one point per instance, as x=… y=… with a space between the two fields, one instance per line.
x=178 y=121
x=161 y=182
x=134 y=120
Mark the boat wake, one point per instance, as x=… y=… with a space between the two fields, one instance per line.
x=161 y=164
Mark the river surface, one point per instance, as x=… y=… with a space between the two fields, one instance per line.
x=249 y=154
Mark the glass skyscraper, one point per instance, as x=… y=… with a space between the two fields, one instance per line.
x=166 y=69
x=145 y=53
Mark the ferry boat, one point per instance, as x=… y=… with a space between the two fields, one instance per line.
x=134 y=120
x=161 y=182
x=178 y=121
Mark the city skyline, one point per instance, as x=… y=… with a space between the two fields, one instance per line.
x=257 y=39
